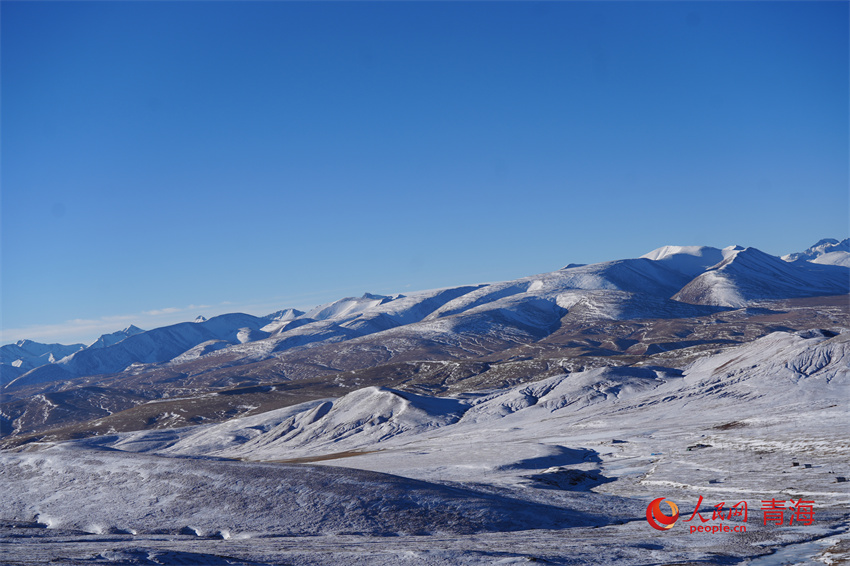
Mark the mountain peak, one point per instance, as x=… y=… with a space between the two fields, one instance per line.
x=838 y=252
x=107 y=340
x=283 y=315
x=750 y=274
x=688 y=260
x=200 y=318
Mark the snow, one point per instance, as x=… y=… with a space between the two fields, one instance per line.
x=153 y=495
x=346 y=306
x=247 y=334
x=823 y=247
x=279 y=319
x=201 y=349
x=384 y=475
x=750 y=275
x=26 y=354
x=153 y=346
x=688 y=260
x=671 y=281
x=779 y=369
x=107 y=340
x=841 y=258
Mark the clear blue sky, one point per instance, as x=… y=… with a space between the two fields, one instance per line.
x=164 y=159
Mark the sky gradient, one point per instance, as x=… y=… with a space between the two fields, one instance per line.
x=162 y=160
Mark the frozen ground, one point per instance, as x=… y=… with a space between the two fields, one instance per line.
x=557 y=471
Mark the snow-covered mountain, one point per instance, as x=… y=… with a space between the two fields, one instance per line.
x=154 y=346
x=16 y=359
x=669 y=282
x=749 y=275
x=280 y=318
x=107 y=340
x=828 y=251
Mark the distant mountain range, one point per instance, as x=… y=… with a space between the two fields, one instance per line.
x=671 y=281
x=25 y=355
x=580 y=316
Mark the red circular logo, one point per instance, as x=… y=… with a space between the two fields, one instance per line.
x=657 y=519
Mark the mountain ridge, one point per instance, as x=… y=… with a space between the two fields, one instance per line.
x=669 y=278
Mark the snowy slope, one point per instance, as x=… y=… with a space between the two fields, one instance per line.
x=350 y=317
x=400 y=309
x=347 y=306
x=280 y=318
x=538 y=302
x=690 y=260
x=364 y=417
x=783 y=369
x=147 y=494
x=621 y=305
x=841 y=258
x=751 y=275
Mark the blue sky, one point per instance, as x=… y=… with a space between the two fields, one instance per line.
x=162 y=160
